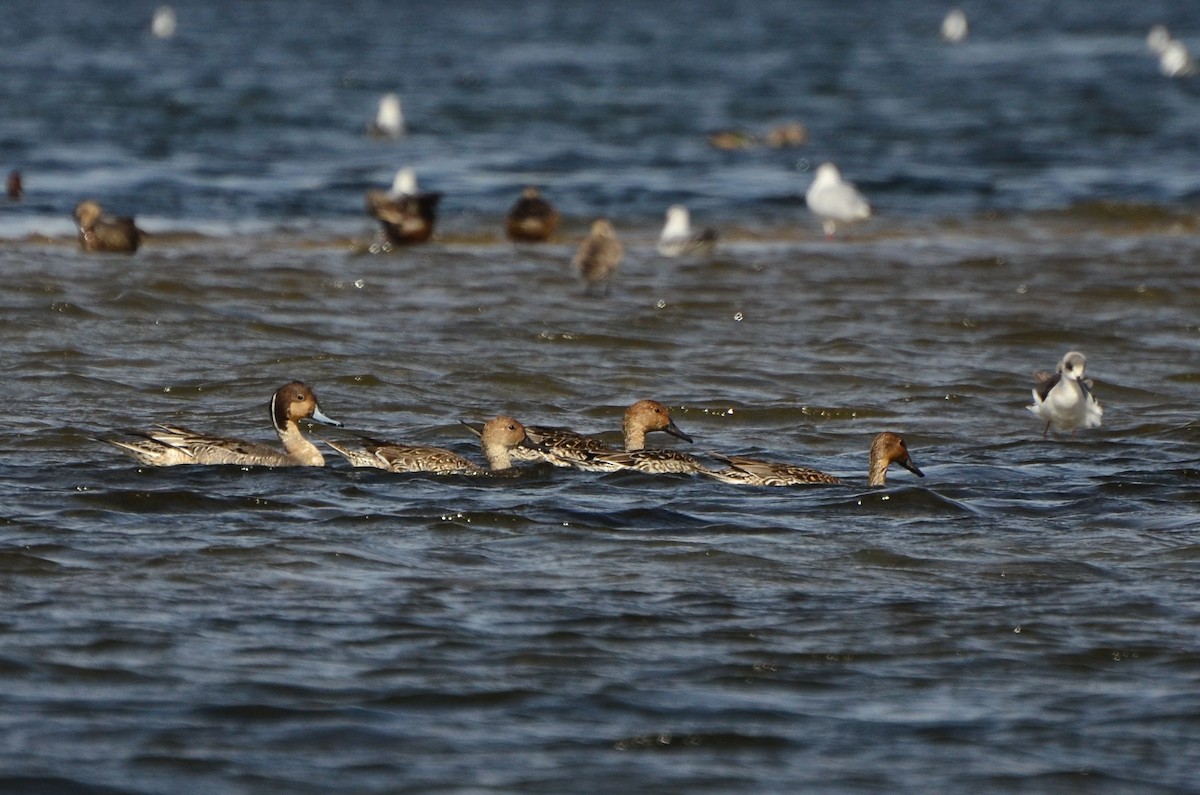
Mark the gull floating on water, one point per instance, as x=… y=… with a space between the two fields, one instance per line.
x=678 y=237
x=954 y=26
x=833 y=200
x=1158 y=38
x=389 y=121
x=599 y=255
x=163 y=23
x=1065 y=399
x=405 y=214
x=1174 y=60
x=532 y=219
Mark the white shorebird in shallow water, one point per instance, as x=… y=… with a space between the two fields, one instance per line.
x=679 y=239
x=834 y=200
x=887 y=448
x=389 y=120
x=499 y=438
x=599 y=255
x=1174 y=60
x=172 y=445
x=1064 y=399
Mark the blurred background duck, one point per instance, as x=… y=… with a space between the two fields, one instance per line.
x=404 y=213
x=101 y=232
x=532 y=219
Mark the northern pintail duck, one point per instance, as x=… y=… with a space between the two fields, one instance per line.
x=652 y=461
x=640 y=419
x=405 y=214
x=887 y=448
x=13 y=186
x=100 y=232
x=678 y=238
x=564 y=447
x=599 y=255
x=500 y=437
x=1065 y=399
x=389 y=120
x=171 y=445
x=732 y=140
x=787 y=135
x=833 y=200
x=532 y=219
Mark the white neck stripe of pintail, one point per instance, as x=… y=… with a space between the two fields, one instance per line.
x=275 y=418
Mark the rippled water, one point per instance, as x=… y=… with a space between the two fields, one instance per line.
x=1023 y=619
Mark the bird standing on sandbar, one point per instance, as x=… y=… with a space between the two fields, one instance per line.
x=678 y=238
x=389 y=119
x=405 y=214
x=834 y=200
x=532 y=219
x=110 y=233
x=599 y=255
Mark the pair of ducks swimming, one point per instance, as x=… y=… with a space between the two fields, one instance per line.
x=503 y=439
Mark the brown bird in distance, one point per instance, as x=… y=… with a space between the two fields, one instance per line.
x=406 y=215
x=532 y=219
x=599 y=255
x=100 y=232
x=13 y=186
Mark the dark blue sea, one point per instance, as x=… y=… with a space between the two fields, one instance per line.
x=1025 y=618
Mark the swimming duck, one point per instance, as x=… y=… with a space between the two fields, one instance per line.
x=599 y=255
x=532 y=219
x=678 y=238
x=732 y=140
x=171 y=445
x=1065 y=399
x=563 y=447
x=652 y=461
x=886 y=448
x=787 y=135
x=405 y=214
x=389 y=120
x=499 y=438
x=100 y=232
x=834 y=200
